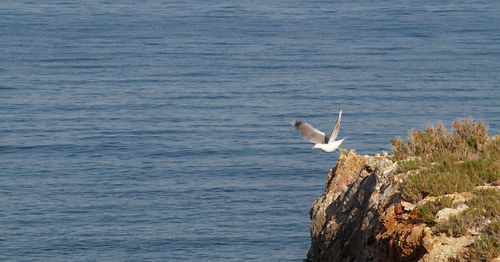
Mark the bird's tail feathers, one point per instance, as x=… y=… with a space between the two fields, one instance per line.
x=341 y=140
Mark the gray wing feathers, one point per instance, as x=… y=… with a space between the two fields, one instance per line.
x=309 y=133
x=335 y=131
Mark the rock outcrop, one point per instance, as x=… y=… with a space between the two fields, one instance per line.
x=361 y=216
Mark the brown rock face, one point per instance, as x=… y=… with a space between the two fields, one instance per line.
x=360 y=217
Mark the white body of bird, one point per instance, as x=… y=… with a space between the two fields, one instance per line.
x=330 y=147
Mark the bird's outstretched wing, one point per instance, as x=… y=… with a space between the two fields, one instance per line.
x=309 y=133
x=335 y=131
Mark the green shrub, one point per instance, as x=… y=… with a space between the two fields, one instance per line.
x=486 y=203
x=485 y=206
x=429 y=210
x=410 y=164
x=487 y=246
x=455 y=226
x=447 y=162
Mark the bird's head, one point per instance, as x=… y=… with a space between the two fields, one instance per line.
x=315 y=146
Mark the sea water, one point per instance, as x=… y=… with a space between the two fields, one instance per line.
x=160 y=130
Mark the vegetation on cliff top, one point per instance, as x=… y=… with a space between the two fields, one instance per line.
x=482 y=216
x=439 y=162
x=447 y=162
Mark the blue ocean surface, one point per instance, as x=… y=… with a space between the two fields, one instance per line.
x=160 y=130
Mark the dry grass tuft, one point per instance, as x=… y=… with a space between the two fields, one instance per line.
x=483 y=209
x=486 y=247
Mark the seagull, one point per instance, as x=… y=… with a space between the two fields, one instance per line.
x=327 y=144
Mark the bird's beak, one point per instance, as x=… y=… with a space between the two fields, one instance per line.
x=313 y=147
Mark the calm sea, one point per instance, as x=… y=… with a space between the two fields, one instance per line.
x=160 y=130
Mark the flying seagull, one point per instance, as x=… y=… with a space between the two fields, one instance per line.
x=327 y=144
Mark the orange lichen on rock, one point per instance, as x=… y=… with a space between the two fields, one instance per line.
x=404 y=235
x=345 y=172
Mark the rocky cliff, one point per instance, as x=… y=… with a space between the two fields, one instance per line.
x=362 y=216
